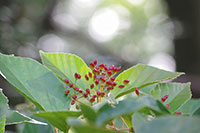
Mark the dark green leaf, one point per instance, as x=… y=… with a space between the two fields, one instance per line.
x=170 y=124
x=89 y=113
x=35 y=82
x=58 y=119
x=128 y=106
x=90 y=129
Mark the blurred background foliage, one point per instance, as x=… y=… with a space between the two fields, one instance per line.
x=160 y=33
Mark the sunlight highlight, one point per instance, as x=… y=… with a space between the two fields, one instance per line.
x=104 y=25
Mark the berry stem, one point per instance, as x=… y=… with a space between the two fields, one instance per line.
x=124 y=129
x=93 y=91
x=80 y=97
x=81 y=102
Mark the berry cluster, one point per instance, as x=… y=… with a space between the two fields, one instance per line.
x=103 y=81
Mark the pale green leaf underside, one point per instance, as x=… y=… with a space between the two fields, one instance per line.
x=35 y=82
x=170 y=124
x=65 y=65
x=58 y=119
x=138 y=119
x=178 y=93
x=14 y=117
x=192 y=107
x=140 y=76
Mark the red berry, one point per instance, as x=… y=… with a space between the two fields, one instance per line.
x=163 y=99
x=73 y=102
x=67 y=91
x=105 y=68
x=167 y=106
x=101 y=66
x=109 y=88
x=86 y=77
x=121 y=86
x=98 y=93
x=102 y=94
x=95 y=76
x=118 y=69
x=112 y=78
x=92 y=100
x=95 y=62
x=92 y=86
x=137 y=91
x=126 y=81
x=92 y=65
x=85 y=95
x=111 y=67
x=114 y=84
x=115 y=69
x=76 y=89
x=71 y=85
x=90 y=74
x=178 y=113
x=76 y=75
x=74 y=97
x=80 y=91
x=109 y=73
x=102 y=79
x=166 y=96
x=79 y=76
x=94 y=96
x=95 y=71
x=88 y=91
x=66 y=81
x=103 y=73
x=97 y=81
x=108 y=83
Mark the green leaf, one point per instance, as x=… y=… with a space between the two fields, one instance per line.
x=58 y=119
x=128 y=106
x=178 y=93
x=88 y=113
x=192 y=107
x=91 y=129
x=35 y=82
x=65 y=65
x=34 y=128
x=138 y=119
x=3 y=111
x=170 y=124
x=140 y=76
x=14 y=117
x=128 y=119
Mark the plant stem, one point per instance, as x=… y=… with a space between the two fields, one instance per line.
x=81 y=102
x=124 y=129
x=122 y=121
x=55 y=130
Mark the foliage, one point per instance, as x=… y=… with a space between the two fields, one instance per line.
x=73 y=97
